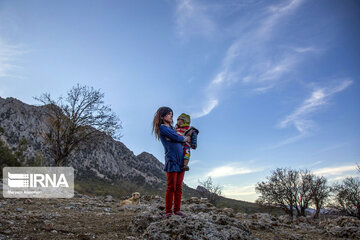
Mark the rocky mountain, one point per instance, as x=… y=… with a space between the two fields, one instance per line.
x=107 y=159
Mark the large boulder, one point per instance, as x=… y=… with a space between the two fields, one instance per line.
x=342 y=227
x=201 y=223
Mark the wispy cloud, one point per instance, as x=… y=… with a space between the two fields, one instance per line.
x=331 y=148
x=207 y=108
x=8 y=58
x=244 y=193
x=268 y=73
x=316 y=163
x=192 y=19
x=192 y=162
x=229 y=170
x=300 y=117
x=234 y=191
x=319 y=97
x=307 y=49
x=338 y=173
x=335 y=170
x=248 y=63
x=340 y=178
x=276 y=13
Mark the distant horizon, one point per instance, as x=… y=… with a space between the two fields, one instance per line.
x=268 y=83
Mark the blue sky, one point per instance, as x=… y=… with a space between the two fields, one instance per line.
x=268 y=83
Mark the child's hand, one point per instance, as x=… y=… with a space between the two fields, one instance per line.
x=188 y=139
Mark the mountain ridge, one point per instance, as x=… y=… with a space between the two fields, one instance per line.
x=108 y=159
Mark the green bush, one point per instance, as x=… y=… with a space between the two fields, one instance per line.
x=7 y=158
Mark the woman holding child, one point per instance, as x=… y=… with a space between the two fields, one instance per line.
x=174 y=159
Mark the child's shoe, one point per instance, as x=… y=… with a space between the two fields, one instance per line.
x=185 y=168
x=168 y=215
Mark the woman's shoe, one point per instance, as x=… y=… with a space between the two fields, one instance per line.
x=181 y=214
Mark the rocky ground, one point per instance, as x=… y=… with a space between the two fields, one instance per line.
x=86 y=217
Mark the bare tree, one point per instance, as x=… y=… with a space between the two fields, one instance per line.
x=320 y=193
x=279 y=189
x=347 y=196
x=289 y=189
x=302 y=191
x=209 y=190
x=80 y=118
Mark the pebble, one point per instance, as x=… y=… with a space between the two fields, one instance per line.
x=27 y=201
x=46 y=222
x=109 y=198
x=19 y=209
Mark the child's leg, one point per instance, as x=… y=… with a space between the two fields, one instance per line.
x=186 y=158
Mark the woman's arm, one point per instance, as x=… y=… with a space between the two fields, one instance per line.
x=171 y=133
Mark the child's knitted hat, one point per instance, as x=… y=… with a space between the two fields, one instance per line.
x=185 y=118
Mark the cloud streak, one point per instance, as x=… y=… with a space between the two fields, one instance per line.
x=229 y=170
x=236 y=191
x=192 y=19
x=277 y=12
x=319 y=97
x=249 y=61
x=300 y=117
x=335 y=170
x=337 y=173
x=210 y=105
x=8 y=57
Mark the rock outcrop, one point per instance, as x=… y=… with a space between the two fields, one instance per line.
x=203 y=221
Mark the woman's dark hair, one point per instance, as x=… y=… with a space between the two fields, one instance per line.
x=160 y=113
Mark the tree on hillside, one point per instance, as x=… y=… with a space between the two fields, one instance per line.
x=209 y=190
x=347 y=196
x=291 y=190
x=303 y=194
x=320 y=193
x=294 y=190
x=279 y=189
x=7 y=158
x=79 y=118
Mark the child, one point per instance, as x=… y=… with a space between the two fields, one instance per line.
x=183 y=128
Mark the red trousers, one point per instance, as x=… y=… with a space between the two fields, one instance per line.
x=173 y=193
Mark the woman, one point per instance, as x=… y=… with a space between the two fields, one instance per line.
x=174 y=159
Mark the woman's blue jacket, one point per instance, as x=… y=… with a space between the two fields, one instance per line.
x=173 y=144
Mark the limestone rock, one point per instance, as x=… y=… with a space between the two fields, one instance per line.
x=342 y=227
x=109 y=198
x=152 y=225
